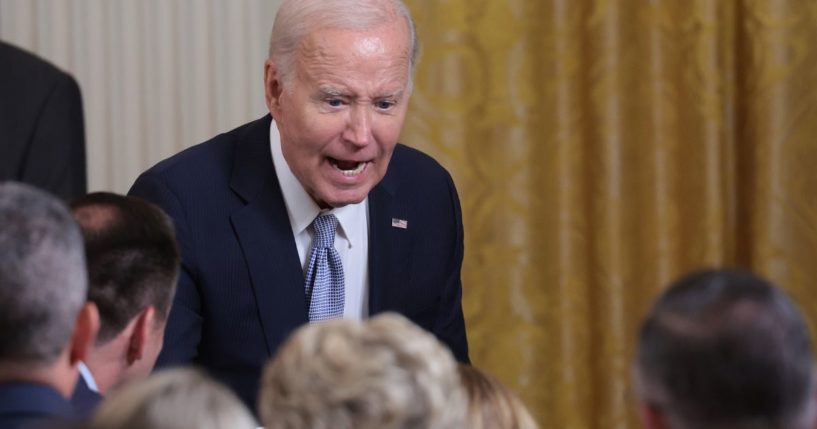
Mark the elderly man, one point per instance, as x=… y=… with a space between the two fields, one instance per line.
x=46 y=327
x=313 y=212
x=133 y=265
x=725 y=349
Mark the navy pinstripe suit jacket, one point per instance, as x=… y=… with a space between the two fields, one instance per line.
x=240 y=293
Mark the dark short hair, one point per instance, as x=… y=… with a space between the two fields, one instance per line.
x=726 y=347
x=42 y=275
x=133 y=258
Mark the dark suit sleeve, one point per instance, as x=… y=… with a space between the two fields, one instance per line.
x=56 y=158
x=184 y=325
x=450 y=324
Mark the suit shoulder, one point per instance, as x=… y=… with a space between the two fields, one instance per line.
x=210 y=157
x=25 y=69
x=406 y=157
x=419 y=166
x=419 y=179
x=28 y=84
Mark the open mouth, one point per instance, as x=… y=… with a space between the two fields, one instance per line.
x=348 y=168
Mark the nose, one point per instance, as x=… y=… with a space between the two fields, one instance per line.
x=359 y=127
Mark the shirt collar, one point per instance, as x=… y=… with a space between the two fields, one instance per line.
x=301 y=208
x=86 y=375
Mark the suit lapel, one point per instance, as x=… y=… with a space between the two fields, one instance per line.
x=265 y=236
x=389 y=246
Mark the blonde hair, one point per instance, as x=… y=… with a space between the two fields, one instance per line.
x=491 y=404
x=343 y=374
x=173 y=399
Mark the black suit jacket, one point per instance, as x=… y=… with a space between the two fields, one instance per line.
x=42 y=135
x=241 y=291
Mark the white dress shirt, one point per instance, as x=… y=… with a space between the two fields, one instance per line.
x=351 y=237
x=86 y=375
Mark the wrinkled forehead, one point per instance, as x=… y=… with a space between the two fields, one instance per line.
x=387 y=45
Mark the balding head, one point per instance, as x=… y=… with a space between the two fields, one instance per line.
x=133 y=258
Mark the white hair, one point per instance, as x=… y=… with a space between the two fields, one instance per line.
x=43 y=279
x=344 y=374
x=180 y=398
x=297 y=18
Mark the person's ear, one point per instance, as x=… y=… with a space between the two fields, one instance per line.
x=142 y=330
x=273 y=87
x=85 y=331
x=652 y=416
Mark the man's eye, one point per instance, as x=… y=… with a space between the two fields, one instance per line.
x=384 y=104
x=334 y=102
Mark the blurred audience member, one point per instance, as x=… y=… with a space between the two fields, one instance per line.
x=133 y=264
x=173 y=399
x=383 y=373
x=491 y=404
x=46 y=327
x=42 y=135
x=725 y=349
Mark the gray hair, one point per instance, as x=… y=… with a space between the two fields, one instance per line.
x=725 y=348
x=343 y=374
x=181 y=398
x=297 y=18
x=43 y=280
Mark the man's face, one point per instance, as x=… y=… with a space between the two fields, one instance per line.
x=341 y=111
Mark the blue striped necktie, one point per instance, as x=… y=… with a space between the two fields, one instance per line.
x=324 y=275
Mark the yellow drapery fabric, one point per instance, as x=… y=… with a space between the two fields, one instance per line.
x=602 y=148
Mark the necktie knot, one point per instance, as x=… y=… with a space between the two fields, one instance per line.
x=325 y=226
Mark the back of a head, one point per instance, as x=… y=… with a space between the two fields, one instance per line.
x=297 y=18
x=42 y=275
x=173 y=399
x=132 y=256
x=726 y=349
x=491 y=404
x=343 y=374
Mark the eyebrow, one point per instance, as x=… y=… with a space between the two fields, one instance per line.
x=396 y=95
x=332 y=91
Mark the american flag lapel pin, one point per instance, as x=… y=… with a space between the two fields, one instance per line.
x=399 y=223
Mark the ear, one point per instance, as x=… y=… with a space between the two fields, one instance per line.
x=273 y=87
x=142 y=330
x=85 y=332
x=652 y=416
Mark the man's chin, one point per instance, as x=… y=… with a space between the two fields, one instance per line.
x=343 y=203
x=341 y=199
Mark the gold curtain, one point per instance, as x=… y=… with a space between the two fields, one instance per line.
x=602 y=148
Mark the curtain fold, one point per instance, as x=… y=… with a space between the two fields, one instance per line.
x=602 y=148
